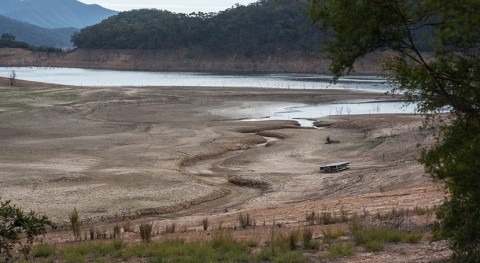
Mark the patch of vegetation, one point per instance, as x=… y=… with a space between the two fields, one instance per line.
x=146 y=232
x=293 y=239
x=339 y=250
x=220 y=249
x=118 y=244
x=330 y=234
x=282 y=248
x=327 y=217
x=91 y=250
x=281 y=256
x=308 y=241
x=14 y=222
x=26 y=99
x=246 y=220
x=75 y=223
x=373 y=238
x=43 y=251
x=404 y=212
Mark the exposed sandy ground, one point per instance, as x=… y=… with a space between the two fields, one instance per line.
x=167 y=154
x=179 y=60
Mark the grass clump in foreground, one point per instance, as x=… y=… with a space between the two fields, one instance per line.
x=330 y=234
x=373 y=239
x=222 y=248
x=284 y=247
x=87 y=251
x=43 y=251
x=339 y=250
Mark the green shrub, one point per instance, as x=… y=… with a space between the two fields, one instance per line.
x=326 y=217
x=293 y=238
x=146 y=232
x=43 y=251
x=118 y=244
x=339 y=250
x=330 y=234
x=373 y=245
x=308 y=242
x=69 y=256
x=245 y=220
x=75 y=223
x=414 y=237
x=220 y=249
x=79 y=252
x=15 y=222
x=286 y=256
x=371 y=238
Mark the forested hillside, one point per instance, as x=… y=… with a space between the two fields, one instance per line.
x=35 y=35
x=262 y=28
x=54 y=13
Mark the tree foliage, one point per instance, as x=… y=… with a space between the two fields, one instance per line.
x=264 y=27
x=37 y=36
x=8 y=37
x=447 y=76
x=15 y=222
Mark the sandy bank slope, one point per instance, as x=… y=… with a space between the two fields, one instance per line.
x=128 y=151
x=180 y=60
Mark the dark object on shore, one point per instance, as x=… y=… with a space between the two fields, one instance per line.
x=334 y=167
x=329 y=141
x=322 y=124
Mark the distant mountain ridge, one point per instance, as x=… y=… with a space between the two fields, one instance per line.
x=35 y=35
x=54 y=13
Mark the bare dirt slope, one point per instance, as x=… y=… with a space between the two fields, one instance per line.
x=179 y=154
x=177 y=60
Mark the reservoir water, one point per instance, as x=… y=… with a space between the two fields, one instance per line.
x=302 y=113
x=306 y=114
x=106 y=78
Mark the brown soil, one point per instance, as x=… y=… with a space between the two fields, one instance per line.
x=179 y=60
x=164 y=154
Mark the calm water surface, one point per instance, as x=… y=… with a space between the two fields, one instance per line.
x=105 y=78
x=301 y=113
x=305 y=114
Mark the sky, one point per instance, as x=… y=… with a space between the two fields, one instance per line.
x=177 y=6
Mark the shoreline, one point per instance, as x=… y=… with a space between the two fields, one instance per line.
x=179 y=61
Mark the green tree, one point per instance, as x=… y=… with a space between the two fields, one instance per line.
x=14 y=222
x=434 y=48
x=260 y=29
x=8 y=37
